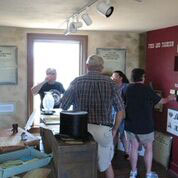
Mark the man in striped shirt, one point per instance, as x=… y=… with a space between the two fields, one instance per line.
x=97 y=94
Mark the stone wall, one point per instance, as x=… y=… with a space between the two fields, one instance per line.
x=133 y=42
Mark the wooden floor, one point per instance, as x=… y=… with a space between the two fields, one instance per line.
x=122 y=168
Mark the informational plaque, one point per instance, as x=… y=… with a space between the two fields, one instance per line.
x=172 y=121
x=114 y=59
x=8 y=65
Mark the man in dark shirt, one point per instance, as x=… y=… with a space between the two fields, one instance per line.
x=97 y=94
x=140 y=100
x=49 y=84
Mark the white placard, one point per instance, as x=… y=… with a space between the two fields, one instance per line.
x=172 y=121
x=7 y=108
x=158 y=45
x=114 y=59
x=151 y=45
x=164 y=44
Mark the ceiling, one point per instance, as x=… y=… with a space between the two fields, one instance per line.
x=129 y=15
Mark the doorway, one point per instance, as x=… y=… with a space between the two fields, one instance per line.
x=67 y=54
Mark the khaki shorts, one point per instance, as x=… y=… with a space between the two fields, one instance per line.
x=103 y=136
x=141 y=138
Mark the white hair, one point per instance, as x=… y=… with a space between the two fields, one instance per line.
x=95 y=60
x=50 y=70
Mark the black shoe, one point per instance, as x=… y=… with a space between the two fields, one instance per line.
x=126 y=156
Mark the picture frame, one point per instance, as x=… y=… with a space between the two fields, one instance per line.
x=172 y=121
x=158 y=107
x=8 y=65
x=114 y=59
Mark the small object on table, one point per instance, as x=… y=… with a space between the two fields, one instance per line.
x=45 y=112
x=24 y=136
x=14 y=128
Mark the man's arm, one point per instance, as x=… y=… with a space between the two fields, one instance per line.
x=167 y=99
x=119 y=117
x=68 y=98
x=35 y=89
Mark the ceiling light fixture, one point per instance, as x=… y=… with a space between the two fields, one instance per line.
x=86 y=18
x=73 y=26
x=67 y=31
x=105 y=8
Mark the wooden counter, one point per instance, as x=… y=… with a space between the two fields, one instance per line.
x=12 y=142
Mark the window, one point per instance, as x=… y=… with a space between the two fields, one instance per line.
x=36 y=40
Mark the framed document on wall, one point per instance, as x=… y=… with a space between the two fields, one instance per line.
x=172 y=121
x=8 y=65
x=114 y=59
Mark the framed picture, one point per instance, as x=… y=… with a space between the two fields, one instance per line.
x=114 y=59
x=158 y=107
x=172 y=121
x=8 y=65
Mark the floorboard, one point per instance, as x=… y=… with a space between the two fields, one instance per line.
x=122 y=168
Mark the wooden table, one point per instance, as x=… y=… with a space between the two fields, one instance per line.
x=51 y=122
x=12 y=142
x=51 y=119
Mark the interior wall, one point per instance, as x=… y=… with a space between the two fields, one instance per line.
x=96 y=39
x=160 y=70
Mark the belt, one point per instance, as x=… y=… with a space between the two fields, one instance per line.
x=108 y=125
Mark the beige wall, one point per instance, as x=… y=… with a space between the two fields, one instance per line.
x=96 y=39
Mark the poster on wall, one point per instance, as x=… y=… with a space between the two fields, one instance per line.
x=114 y=59
x=172 y=121
x=8 y=65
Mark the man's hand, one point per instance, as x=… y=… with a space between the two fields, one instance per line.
x=119 y=117
x=167 y=99
x=114 y=132
x=171 y=97
x=48 y=78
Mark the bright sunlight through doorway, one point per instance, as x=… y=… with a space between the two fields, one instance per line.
x=61 y=55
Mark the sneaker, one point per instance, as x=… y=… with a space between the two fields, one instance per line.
x=134 y=174
x=151 y=175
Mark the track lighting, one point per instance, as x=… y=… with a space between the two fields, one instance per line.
x=73 y=26
x=67 y=32
x=77 y=24
x=86 y=18
x=105 y=8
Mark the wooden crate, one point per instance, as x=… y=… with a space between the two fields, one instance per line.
x=71 y=160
